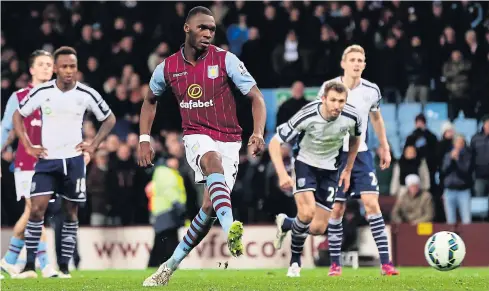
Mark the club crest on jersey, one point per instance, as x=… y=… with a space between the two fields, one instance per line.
x=213 y=72
x=301 y=182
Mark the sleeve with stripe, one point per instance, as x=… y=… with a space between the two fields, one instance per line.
x=33 y=100
x=376 y=97
x=288 y=131
x=97 y=104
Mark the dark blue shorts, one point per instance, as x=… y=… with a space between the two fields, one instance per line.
x=363 y=178
x=324 y=183
x=65 y=177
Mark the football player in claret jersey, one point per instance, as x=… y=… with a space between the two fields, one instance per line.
x=61 y=166
x=200 y=76
x=318 y=129
x=41 y=69
x=365 y=96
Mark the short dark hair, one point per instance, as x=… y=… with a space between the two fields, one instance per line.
x=64 y=50
x=420 y=117
x=335 y=86
x=38 y=53
x=198 y=10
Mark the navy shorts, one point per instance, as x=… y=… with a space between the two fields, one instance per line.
x=65 y=177
x=363 y=178
x=324 y=183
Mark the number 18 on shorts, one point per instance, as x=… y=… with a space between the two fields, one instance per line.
x=65 y=177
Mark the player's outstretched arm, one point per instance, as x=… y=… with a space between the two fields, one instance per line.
x=35 y=151
x=259 y=118
x=7 y=135
x=274 y=148
x=354 y=144
x=148 y=113
x=379 y=127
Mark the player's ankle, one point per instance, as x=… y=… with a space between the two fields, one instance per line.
x=63 y=267
x=29 y=266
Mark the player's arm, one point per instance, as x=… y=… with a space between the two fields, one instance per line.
x=26 y=107
x=379 y=128
x=286 y=133
x=102 y=112
x=157 y=86
x=353 y=146
x=240 y=76
x=7 y=135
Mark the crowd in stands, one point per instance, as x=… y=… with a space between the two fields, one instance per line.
x=416 y=52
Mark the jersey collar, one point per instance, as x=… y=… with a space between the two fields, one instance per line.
x=359 y=84
x=199 y=58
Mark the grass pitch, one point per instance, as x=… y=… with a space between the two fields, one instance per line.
x=363 y=279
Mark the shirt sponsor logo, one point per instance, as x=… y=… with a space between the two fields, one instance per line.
x=196 y=104
x=194 y=91
x=36 y=122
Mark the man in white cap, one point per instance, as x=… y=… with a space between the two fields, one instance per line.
x=414 y=206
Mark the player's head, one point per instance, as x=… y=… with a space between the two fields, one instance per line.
x=199 y=28
x=353 y=61
x=65 y=64
x=334 y=98
x=41 y=66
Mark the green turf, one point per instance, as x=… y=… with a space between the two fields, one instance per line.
x=411 y=279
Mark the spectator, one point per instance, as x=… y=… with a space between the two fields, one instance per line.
x=237 y=35
x=417 y=72
x=292 y=105
x=166 y=196
x=254 y=61
x=445 y=145
x=457 y=181
x=456 y=73
x=426 y=144
x=415 y=206
x=410 y=163
x=480 y=154
x=390 y=75
x=97 y=189
x=286 y=59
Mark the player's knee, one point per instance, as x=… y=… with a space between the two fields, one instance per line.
x=211 y=162
x=37 y=212
x=306 y=214
x=318 y=229
x=338 y=210
x=371 y=204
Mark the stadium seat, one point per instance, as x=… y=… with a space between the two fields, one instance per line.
x=466 y=126
x=407 y=112
x=480 y=207
x=436 y=111
x=434 y=125
x=396 y=146
x=389 y=112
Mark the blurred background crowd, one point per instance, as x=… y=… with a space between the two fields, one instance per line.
x=417 y=52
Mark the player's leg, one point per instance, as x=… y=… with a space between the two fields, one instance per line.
x=68 y=235
x=306 y=209
x=73 y=192
x=34 y=227
x=22 y=188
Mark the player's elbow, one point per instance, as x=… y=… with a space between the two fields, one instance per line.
x=110 y=120
x=17 y=119
x=274 y=144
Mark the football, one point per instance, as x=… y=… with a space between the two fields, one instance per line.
x=444 y=251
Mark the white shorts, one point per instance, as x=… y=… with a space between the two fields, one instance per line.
x=23 y=181
x=196 y=145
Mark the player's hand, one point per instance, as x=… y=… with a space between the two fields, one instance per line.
x=37 y=151
x=86 y=148
x=257 y=144
x=285 y=182
x=345 y=180
x=385 y=158
x=145 y=154
x=86 y=158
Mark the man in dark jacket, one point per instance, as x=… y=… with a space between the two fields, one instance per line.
x=456 y=169
x=291 y=106
x=480 y=155
x=426 y=146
